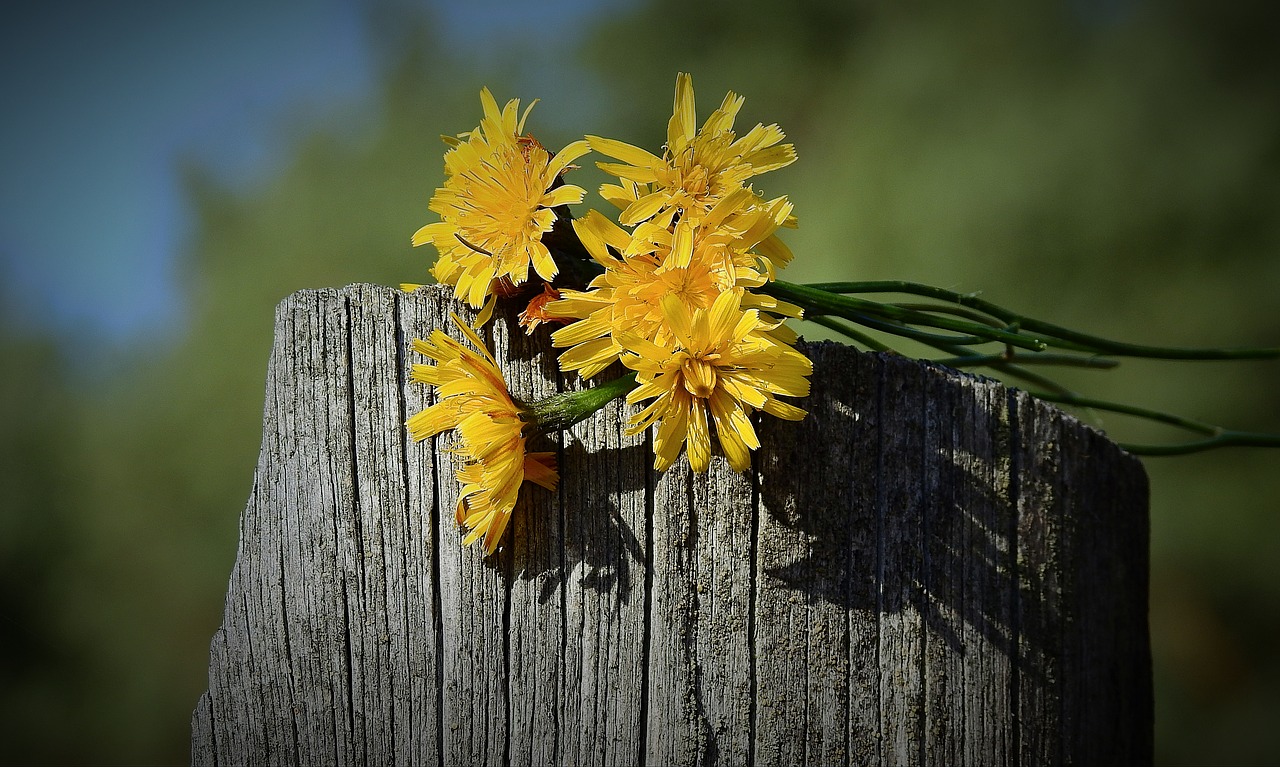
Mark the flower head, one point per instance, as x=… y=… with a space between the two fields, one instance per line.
x=698 y=168
x=717 y=368
x=652 y=264
x=491 y=427
x=497 y=202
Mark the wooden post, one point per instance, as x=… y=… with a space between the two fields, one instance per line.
x=930 y=568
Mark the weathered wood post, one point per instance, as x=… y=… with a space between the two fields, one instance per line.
x=929 y=569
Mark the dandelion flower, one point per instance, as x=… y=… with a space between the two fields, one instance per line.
x=653 y=264
x=697 y=169
x=474 y=400
x=718 y=369
x=498 y=200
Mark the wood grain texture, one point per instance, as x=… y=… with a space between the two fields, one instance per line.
x=929 y=569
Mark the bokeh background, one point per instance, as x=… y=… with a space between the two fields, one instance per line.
x=172 y=170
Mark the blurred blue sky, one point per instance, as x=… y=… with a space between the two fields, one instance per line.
x=103 y=101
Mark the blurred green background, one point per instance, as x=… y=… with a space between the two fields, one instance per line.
x=1108 y=165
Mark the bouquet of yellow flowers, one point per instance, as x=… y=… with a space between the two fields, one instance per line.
x=681 y=288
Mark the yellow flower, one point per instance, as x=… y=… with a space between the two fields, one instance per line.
x=497 y=202
x=474 y=400
x=698 y=168
x=718 y=369
x=655 y=263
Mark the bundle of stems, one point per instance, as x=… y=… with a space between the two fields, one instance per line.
x=976 y=333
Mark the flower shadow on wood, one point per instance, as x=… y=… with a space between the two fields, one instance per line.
x=900 y=507
x=594 y=527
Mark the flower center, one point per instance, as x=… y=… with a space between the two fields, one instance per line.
x=695 y=287
x=695 y=181
x=700 y=374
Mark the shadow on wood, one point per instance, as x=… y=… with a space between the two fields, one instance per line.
x=929 y=568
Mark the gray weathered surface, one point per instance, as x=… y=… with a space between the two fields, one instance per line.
x=929 y=569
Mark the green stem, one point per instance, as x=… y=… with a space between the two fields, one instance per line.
x=560 y=411
x=1225 y=439
x=1216 y=435
x=1066 y=360
x=1190 y=424
x=1009 y=369
x=1067 y=338
x=906 y=331
x=848 y=331
x=821 y=301
x=958 y=311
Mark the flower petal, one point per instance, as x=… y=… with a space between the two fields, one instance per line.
x=643 y=209
x=683 y=124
